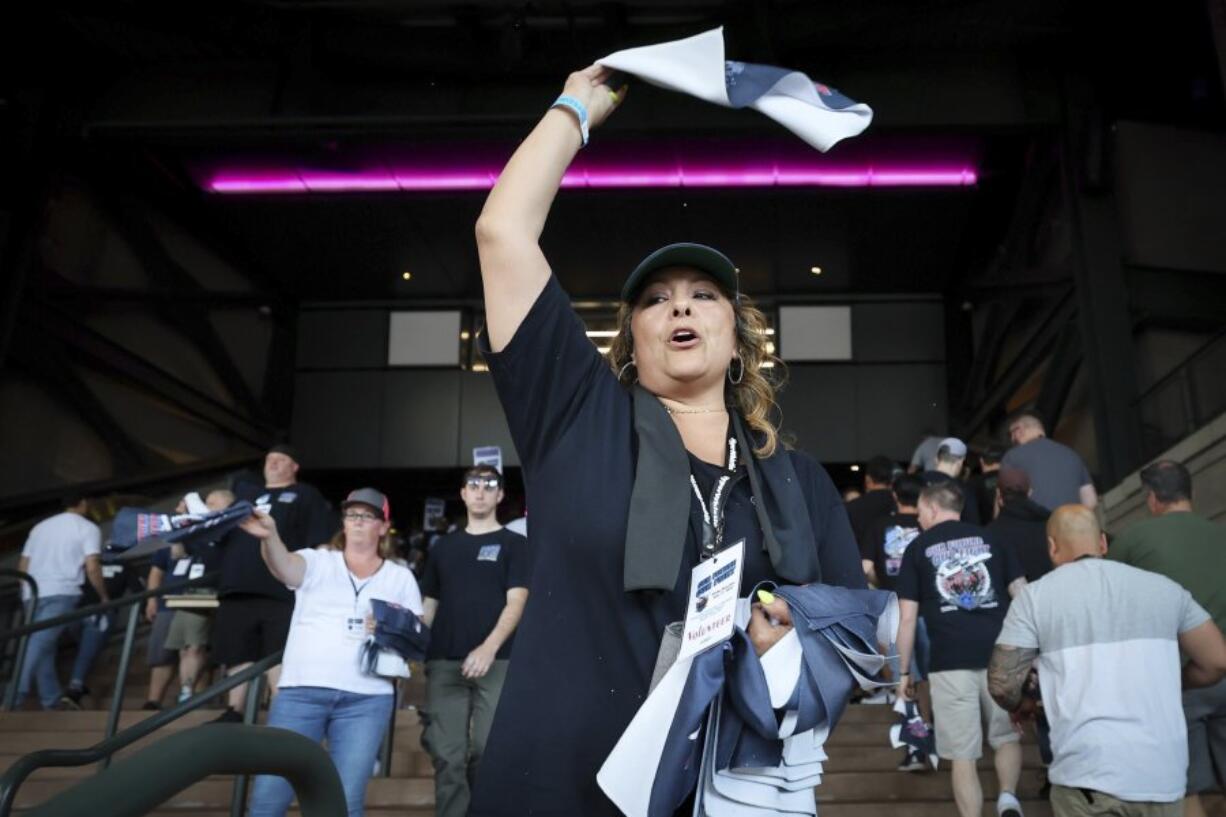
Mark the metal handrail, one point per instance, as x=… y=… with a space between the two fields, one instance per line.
x=139 y=783
x=1179 y=370
x=101 y=752
x=113 y=604
x=166 y=716
x=19 y=658
x=1197 y=401
x=125 y=653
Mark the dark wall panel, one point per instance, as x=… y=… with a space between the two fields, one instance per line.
x=896 y=406
x=481 y=419
x=819 y=410
x=337 y=418
x=898 y=332
x=421 y=418
x=1169 y=185
x=342 y=339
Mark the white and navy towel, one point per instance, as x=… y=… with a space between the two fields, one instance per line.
x=815 y=112
x=746 y=735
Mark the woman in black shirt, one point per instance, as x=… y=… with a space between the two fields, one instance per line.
x=635 y=473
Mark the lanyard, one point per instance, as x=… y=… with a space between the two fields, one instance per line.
x=713 y=511
x=358 y=588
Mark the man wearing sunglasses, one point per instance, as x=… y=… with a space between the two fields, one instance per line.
x=475 y=587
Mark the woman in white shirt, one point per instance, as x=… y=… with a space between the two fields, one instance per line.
x=323 y=691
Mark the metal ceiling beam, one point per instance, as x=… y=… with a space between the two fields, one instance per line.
x=1034 y=348
x=1157 y=295
x=1101 y=295
x=192 y=323
x=46 y=363
x=100 y=352
x=159 y=480
x=1061 y=372
x=31 y=125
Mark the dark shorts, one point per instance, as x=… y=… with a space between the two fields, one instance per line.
x=248 y=628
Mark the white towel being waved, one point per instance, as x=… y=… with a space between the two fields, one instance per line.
x=816 y=113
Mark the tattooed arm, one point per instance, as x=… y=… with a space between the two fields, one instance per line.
x=1007 y=672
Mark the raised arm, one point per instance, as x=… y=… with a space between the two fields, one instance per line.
x=513 y=268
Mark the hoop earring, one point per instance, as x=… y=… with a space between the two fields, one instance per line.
x=622 y=372
x=740 y=372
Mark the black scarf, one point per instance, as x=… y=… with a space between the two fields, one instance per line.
x=660 y=504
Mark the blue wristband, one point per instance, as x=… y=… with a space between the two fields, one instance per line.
x=578 y=109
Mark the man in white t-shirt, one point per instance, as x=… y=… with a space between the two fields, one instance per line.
x=60 y=553
x=1108 y=639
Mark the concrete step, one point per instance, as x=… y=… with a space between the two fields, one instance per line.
x=18 y=742
x=884 y=758
x=839 y=787
x=215 y=793
x=414 y=762
x=1032 y=808
x=89 y=720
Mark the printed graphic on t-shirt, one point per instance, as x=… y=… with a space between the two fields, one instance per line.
x=488 y=553
x=962 y=578
x=288 y=496
x=897 y=537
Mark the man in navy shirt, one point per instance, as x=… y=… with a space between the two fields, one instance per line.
x=474 y=590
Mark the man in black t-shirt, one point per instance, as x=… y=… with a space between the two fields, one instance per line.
x=961 y=583
x=951 y=456
x=886 y=538
x=1021 y=523
x=474 y=591
x=981 y=488
x=255 y=609
x=876 y=501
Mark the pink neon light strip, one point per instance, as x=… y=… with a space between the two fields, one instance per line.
x=770 y=175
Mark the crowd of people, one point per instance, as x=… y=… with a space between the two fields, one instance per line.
x=642 y=467
x=1028 y=613
x=293 y=577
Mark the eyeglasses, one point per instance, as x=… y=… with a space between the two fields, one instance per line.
x=361 y=517
x=488 y=483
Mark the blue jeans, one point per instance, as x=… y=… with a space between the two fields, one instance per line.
x=39 y=667
x=92 y=639
x=354 y=726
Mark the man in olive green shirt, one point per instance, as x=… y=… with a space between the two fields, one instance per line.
x=1189 y=549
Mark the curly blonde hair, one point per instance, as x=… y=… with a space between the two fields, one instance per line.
x=754 y=396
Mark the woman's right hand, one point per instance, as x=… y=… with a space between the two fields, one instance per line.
x=588 y=86
x=260 y=525
x=768 y=623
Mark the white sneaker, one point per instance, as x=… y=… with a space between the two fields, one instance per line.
x=882 y=696
x=1007 y=805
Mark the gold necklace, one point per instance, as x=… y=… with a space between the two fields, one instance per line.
x=672 y=410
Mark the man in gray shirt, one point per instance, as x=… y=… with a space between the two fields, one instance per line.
x=1058 y=476
x=1108 y=639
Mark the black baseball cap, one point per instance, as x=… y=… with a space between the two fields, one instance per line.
x=286 y=449
x=699 y=256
